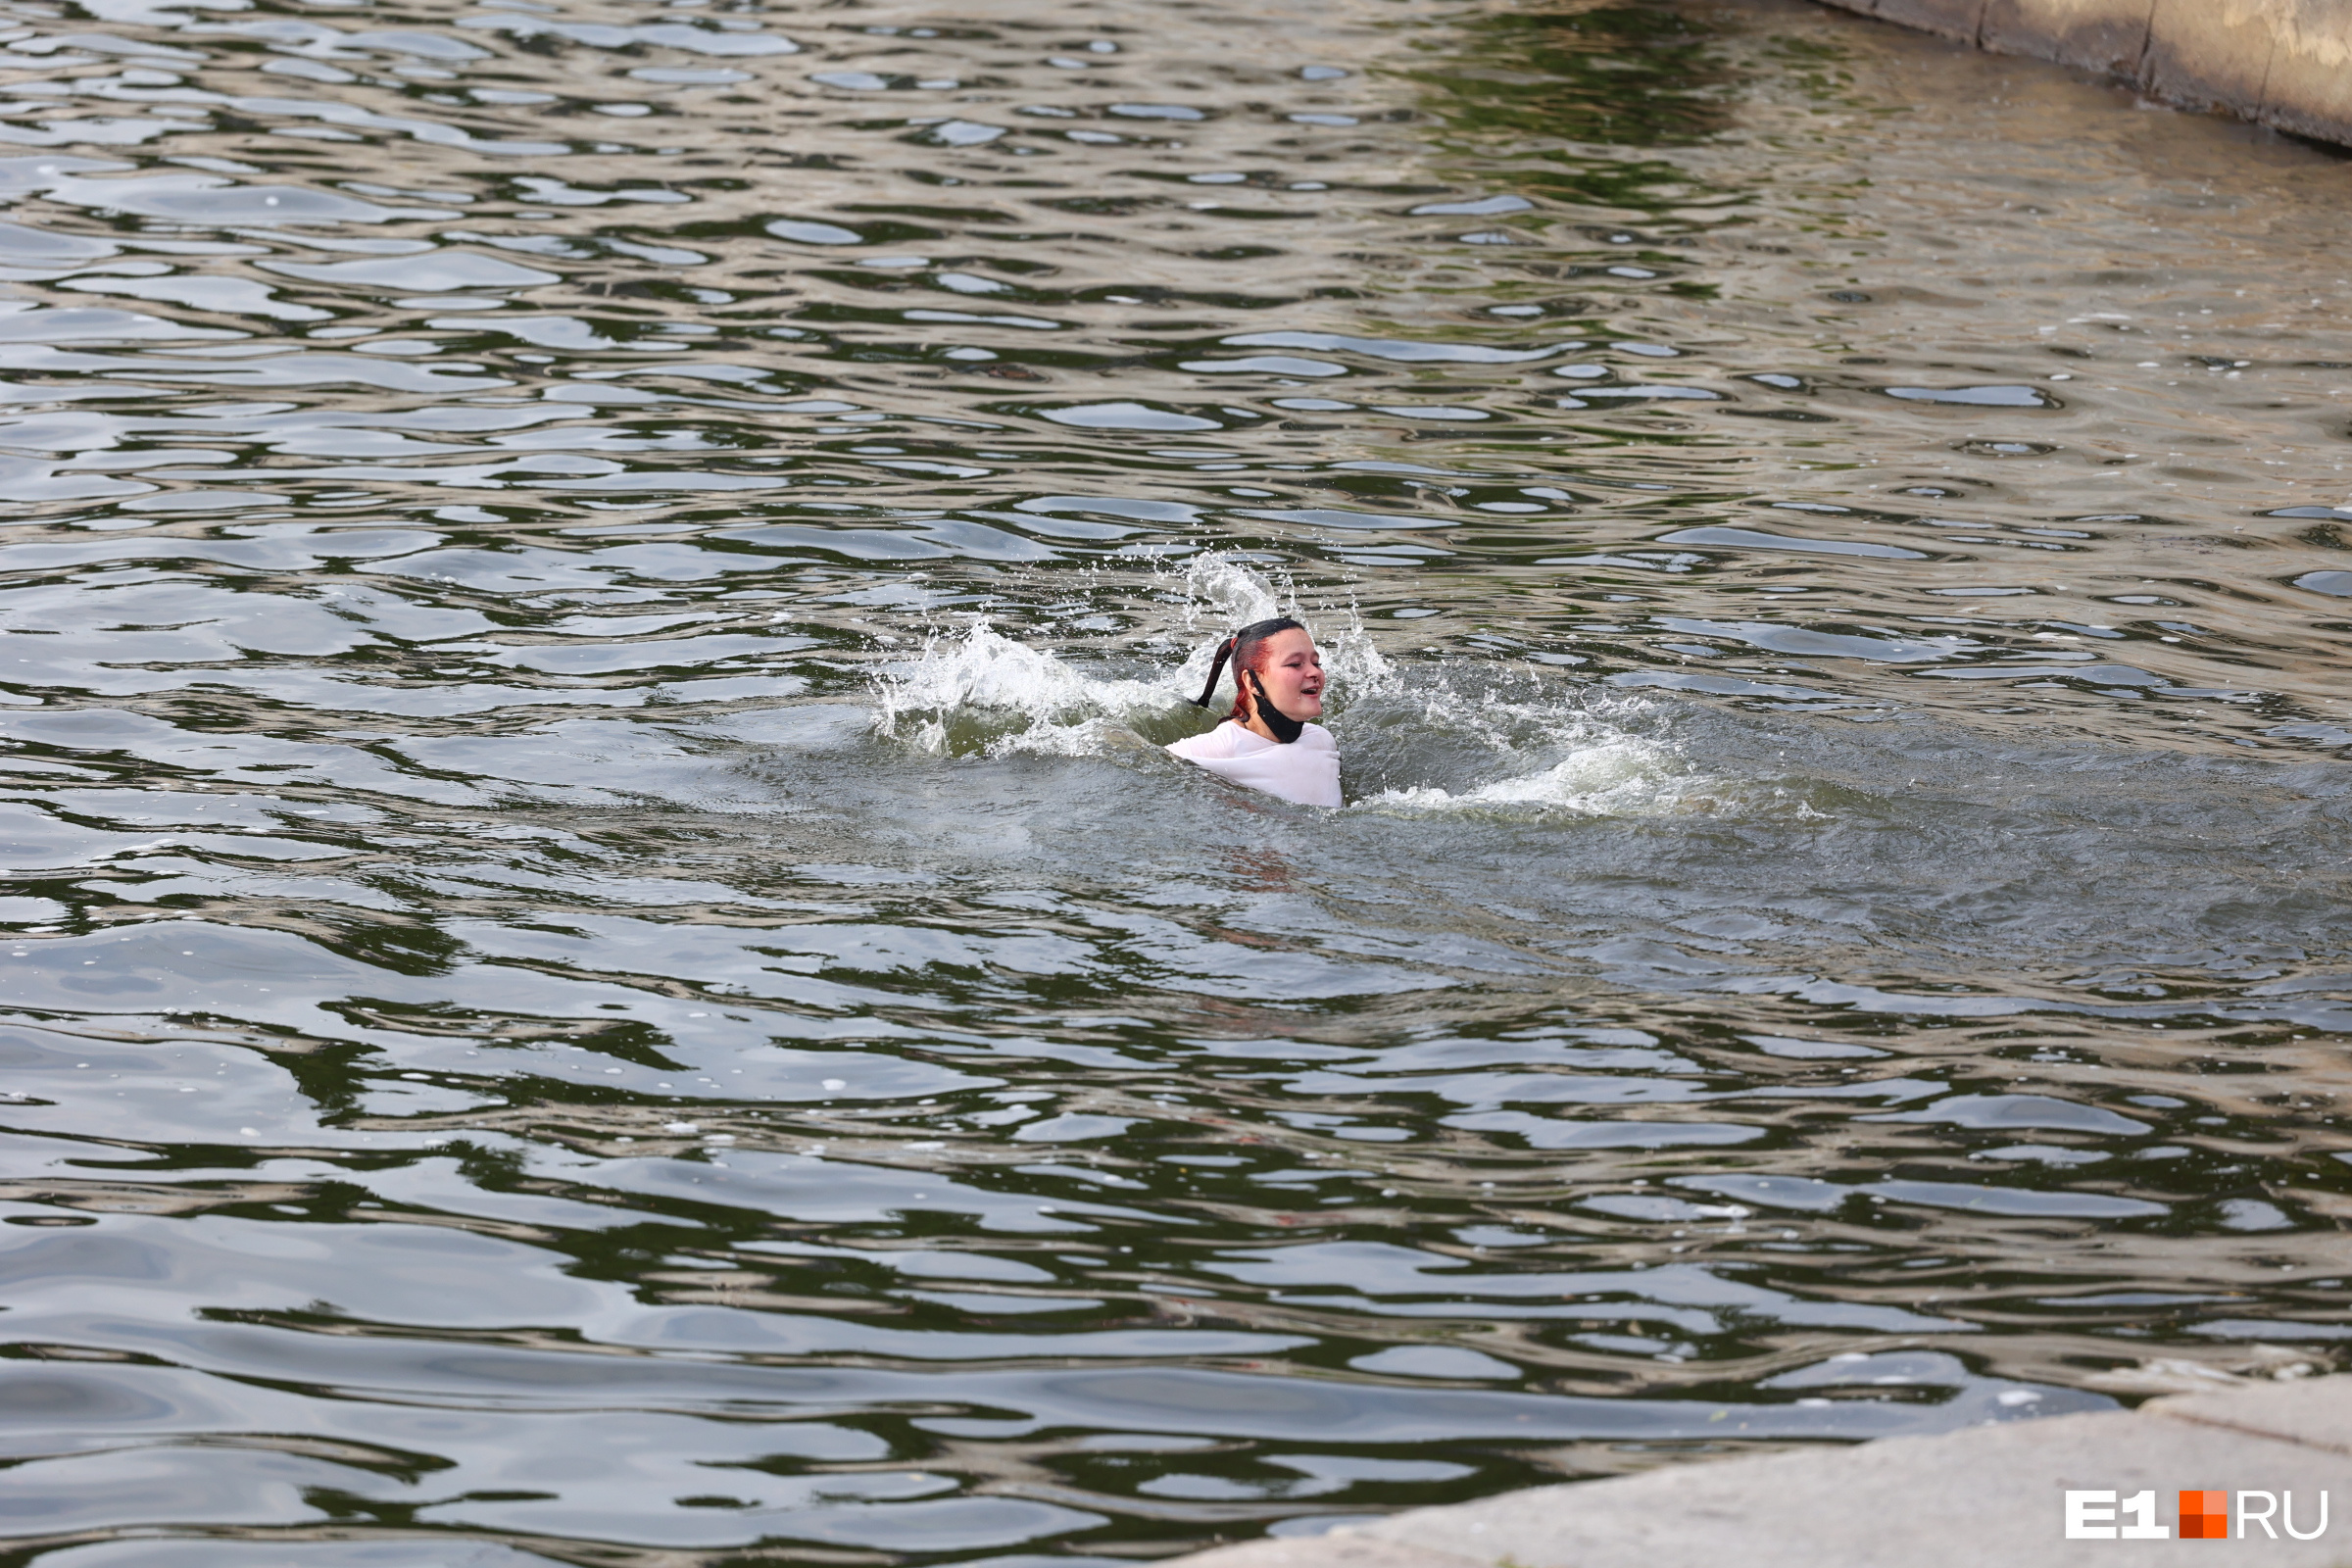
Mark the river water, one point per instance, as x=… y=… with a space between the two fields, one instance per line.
x=611 y=571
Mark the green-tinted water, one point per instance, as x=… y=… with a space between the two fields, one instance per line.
x=588 y=596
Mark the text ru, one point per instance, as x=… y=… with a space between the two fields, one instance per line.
x=2204 y=1515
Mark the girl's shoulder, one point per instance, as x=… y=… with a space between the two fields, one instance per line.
x=1226 y=740
x=1230 y=740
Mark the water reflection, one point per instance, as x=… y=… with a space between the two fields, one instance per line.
x=591 y=608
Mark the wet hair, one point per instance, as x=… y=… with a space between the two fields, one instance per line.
x=1243 y=648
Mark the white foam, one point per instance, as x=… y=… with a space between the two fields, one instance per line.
x=1553 y=754
x=986 y=693
x=1613 y=776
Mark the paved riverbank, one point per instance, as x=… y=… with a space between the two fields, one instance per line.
x=2285 y=63
x=1989 y=1494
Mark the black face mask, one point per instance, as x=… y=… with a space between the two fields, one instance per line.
x=1286 y=728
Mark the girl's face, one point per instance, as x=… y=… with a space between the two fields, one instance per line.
x=1292 y=673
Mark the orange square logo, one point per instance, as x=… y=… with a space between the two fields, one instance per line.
x=2204 y=1516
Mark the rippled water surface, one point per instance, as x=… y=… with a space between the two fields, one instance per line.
x=589 y=590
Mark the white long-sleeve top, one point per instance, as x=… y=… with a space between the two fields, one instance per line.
x=1305 y=771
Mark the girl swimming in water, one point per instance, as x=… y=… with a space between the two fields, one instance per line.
x=1266 y=741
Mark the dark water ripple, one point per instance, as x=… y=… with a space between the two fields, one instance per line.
x=585 y=597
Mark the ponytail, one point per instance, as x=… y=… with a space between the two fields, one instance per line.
x=1216 y=667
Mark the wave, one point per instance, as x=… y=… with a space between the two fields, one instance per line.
x=1435 y=741
x=1518 y=747
x=1613 y=776
x=985 y=694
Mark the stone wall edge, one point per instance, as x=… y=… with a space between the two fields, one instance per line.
x=2286 y=64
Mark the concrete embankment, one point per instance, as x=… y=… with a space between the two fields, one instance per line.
x=1989 y=1494
x=2285 y=63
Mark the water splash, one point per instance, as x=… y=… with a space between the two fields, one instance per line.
x=985 y=694
x=1421 y=744
x=1222 y=588
x=1522 y=749
x=1602 y=776
x=1225 y=591
x=981 y=693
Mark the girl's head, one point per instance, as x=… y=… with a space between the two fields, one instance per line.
x=1275 y=666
